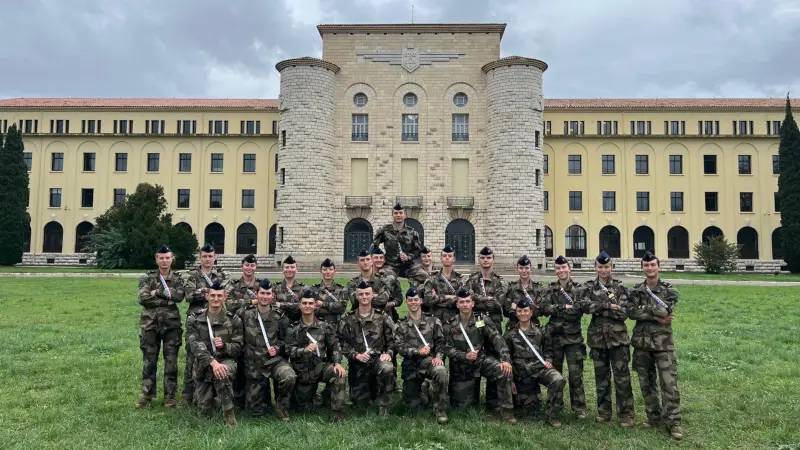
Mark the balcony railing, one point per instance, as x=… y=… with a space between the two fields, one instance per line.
x=358 y=201
x=360 y=137
x=460 y=202
x=409 y=202
x=410 y=137
x=460 y=137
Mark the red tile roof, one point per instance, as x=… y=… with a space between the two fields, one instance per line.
x=144 y=103
x=668 y=103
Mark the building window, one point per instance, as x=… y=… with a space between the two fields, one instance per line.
x=57 y=162
x=28 y=158
x=642 y=165
x=187 y=127
x=460 y=127
x=283 y=138
x=774 y=127
x=546 y=164
x=183 y=198
x=460 y=99
x=573 y=128
x=91 y=126
x=536 y=139
x=641 y=127
x=218 y=127
x=745 y=201
x=29 y=126
x=282 y=178
x=676 y=164
x=538 y=175
x=249 y=163
x=121 y=162
x=87 y=198
x=89 y=162
x=607 y=163
x=642 y=201
x=184 y=162
x=274 y=127
x=119 y=197
x=538 y=237
x=251 y=127
x=776 y=165
x=4 y=125
x=248 y=198
x=575 y=200
x=360 y=127
x=153 y=162
x=546 y=200
x=607 y=127
x=574 y=164
x=609 y=201
x=712 y=203
x=410 y=100
x=155 y=127
x=676 y=201
x=744 y=165
x=410 y=128
x=59 y=126
x=123 y=126
x=360 y=99
x=548 y=128
x=55 y=197
x=274 y=198
x=217 y=162
x=215 y=198
x=710 y=164
x=675 y=127
x=777 y=200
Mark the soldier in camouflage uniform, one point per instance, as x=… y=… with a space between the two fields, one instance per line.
x=316 y=357
x=651 y=306
x=389 y=279
x=439 y=291
x=522 y=288
x=468 y=337
x=197 y=281
x=426 y=265
x=366 y=336
x=265 y=355
x=561 y=302
x=331 y=296
x=288 y=291
x=419 y=339
x=381 y=294
x=532 y=354
x=216 y=339
x=160 y=326
x=241 y=294
x=402 y=246
x=606 y=300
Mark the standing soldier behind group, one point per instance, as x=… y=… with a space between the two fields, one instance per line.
x=402 y=246
x=390 y=280
x=241 y=294
x=425 y=265
x=524 y=287
x=441 y=287
x=331 y=296
x=288 y=291
x=381 y=295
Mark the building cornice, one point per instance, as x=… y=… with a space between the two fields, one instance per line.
x=419 y=28
x=307 y=61
x=514 y=61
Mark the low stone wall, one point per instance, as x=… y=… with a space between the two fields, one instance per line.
x=58 y=259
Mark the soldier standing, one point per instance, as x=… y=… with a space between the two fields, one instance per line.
x=652 y=305
x=402 y=246
x=160 y=326
x=316 y=356
x=389 y=279
x=241 y=294
x=606 y=300
x=441 y=287
x=216 y=339
x=288 y=291
x=381 y=295
x=366 y=337
x=561 y=302
x=419 y=339
x=331 y=296
x=265 y=355
x=426 y=265
x=522 y=288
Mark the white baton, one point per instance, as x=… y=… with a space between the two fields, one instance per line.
x=464 y=332
x=313 y=341
x=420 y=334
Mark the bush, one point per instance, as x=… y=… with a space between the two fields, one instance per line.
x=14 y=193
x=717 y=255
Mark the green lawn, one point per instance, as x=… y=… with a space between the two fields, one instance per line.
x=727 y=276
x=71 y=371
x=59 y=269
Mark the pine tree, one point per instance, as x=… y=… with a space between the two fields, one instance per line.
x=14 y=191
x=789 y=190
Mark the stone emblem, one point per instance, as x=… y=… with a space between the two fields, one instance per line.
x=409 y=57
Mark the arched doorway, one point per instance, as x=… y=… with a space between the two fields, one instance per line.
x=273 y=237
x=460 y=234
x=548 y=242
x=610 y=241
x=644 y=240
x=215 y=235
x=777 y=247
x=710 y=232
x=677 y=242
x=53 y=238
x=26 y=247
x=184 y=225
x=82 y=236
x=246 y=239
x=414 y=223
x=747 y=237
x=575 y=242
x=357 y=237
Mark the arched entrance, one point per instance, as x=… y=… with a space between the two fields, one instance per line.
x=414 y=223
x=215 y=235
x=710 y=232
x=357 y=237
x=575 y=242
x=273 y=237
x=747 y=237
x=460 y=234
x=677 y=242
x=644 y=240
x=246 y=239
x=548 y=242
x=26 y=247
x=777 y=247
x=82 y=236
x=184 y=225
x=610 y=241
x=53 y=238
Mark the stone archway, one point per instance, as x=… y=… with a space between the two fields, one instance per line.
x=417 y=226
x=747 y=237
x=610 y=241
x=644 y=240
x=246 y=239
x=82 y=236
x=215 y=235
x=357 y=237
x=460 y=234
x=53 y=238
x=677 y=242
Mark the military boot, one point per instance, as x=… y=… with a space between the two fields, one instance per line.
x=508 y=415
x=229 y=418
x=601 y=419
x=383 y=411
x=676 y=432
x=144 y=401
x=184 y=402
x=555 y=423
x=337 y=416
x=169 y=403
x=441 y=417
x=650 y=424
x=626 y=422
x=282 y=414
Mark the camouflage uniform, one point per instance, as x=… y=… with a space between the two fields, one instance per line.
x=289 y=298
x=515 y=293
x=382 y=292
x=160 y=324
x=240 y=296
x=334 y=302
x=393 y=240
x=436 y=287
x=389 y=279
x=379 y=330
x=416 y=368
x=313 y=368
x=654 y=353
x=564 y=328
x=608 y=340
x=259 y=367
x=489 y=297
x=529 y=372
x=463 y=372
x=228 y=327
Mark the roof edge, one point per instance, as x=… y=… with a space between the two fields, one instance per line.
x=396 y=28
x=307 y=61
x=514 y=61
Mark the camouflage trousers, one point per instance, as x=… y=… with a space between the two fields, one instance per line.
x=414 y=374
x=443 y=314
x=650 y=365
x=527 y=384
x=574 y=354
x=306 y=389
x=206 y=390
x=257 y=390
x=463 y=382
x=414 y=272
x=360 y=376
x=607 y=361
x=151 y=342
x=188 y=381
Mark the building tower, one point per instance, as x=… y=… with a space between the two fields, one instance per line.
x=306 y=161
x=514 y=158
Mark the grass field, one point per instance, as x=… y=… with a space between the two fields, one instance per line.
x=727 y=276
x=71 y=371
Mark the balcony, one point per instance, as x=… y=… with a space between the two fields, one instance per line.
x=460 y=137
x=409 y=202
x=360 y=137
x=460 y=202
x=358 y=201
x=410 y=137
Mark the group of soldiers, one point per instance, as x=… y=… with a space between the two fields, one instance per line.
x=244 y=334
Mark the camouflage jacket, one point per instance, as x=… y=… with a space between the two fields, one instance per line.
x=380 y=290
x=327 y=343
x=197 y=285
x=378 y=328
x=334 y=301
x=525 y=362
x=482 y=333
x=226 y=326
x=256 y=354
x=438 y=286
x=393 y=240
x=160 y=310
x=564 y=325
x=407 y=342
x=489 y=295
x=607 y=328
x=289 y=298
x=392 y=285
x=515 y=293
x=240 y=294
x=648 y=334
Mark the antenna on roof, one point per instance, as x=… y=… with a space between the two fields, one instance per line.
x=412 y=13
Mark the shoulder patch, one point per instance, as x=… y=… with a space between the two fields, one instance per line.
x=665 y=284
x=377 y=311
x=403 y=319
x=351 y=313
x=637 y=285
x=152 y=272
x=230 y=314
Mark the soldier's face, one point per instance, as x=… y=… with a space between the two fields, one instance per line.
x=378 y=261
x=447 y=259
x=524 y=271
x=364 y=296
x=465 y=304
x=307 y=306
x=562 y=271
x=164 y=260
x=426 y=259
x=207 y=259
x=289 y=270
x=651 y=268
x=603 y=270
x=265 y=296
x=524 y=314
x=486 y=261
x=328 y=273
x=249 y=268
x=414 y=303
x=365 y=262
x=215 y=299
x=398 y=216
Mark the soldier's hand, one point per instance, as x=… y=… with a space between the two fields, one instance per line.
x=473 y=355
x=613 y=306
x=548 y=365
x=272 y=351
x=437 y=362
x=424 y=351
x=319 y=303
x=153 y=292
x=363 y=357
x=220 y=370
x=385 y=357
x=506 y=368
x=218 y=342
x=403 y=257
x=254 y=301
x=311 y=347
x=339 y=370
x=568 y=306
x=514 y=388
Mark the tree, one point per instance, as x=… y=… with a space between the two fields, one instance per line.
x=789 y=190
x=127 y=236
x=14 y=194
x=717 y=255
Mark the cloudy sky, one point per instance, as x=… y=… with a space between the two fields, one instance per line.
x=228 y=48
